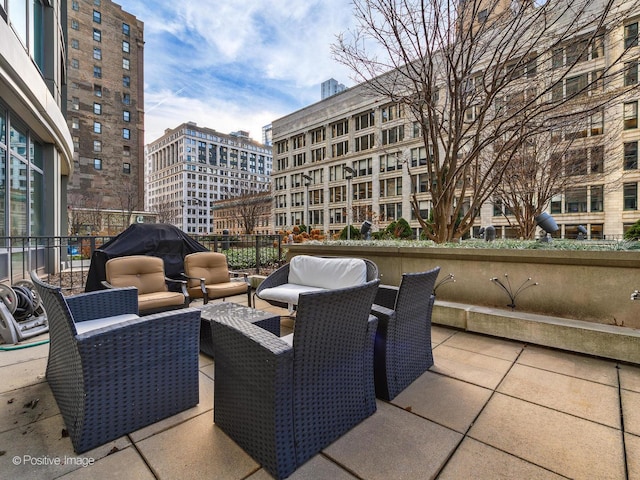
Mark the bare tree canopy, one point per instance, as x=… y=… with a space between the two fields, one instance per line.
x=480 y=78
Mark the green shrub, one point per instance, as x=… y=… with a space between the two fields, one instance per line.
x=634 y=232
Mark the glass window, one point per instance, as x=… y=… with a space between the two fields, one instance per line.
x=576 y=200
x=631 y=35
x=630 y=195
x=97 y=90
x=97 y=164
x=97 y=127
x=125 y=29
x=630 y=115
x=125 y=46
x=75 y=63
x=97 y=35
x=126 y=133
x=125 y=63
x=631 y=155
x=74 y=43
x=97 y=72
x=18 y=18
x=126 y=116
x=597 y=198
x=630 y=73
x=126 y=168
x=97 y=17
x=75 y=6
x=126 y=99
x=74 y=24
x=75 y=123
x=97 y=53
x=75 y=103
x=96 y=3
x=97 y=146
x=126 y=81
x=97 y=108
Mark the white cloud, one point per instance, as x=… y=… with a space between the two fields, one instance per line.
x=238 y=64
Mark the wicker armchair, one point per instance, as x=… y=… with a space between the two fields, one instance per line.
x=284 y=401
x=403 y=340
x=113 y=375
x=281 y=278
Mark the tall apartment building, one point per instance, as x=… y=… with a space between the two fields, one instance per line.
x=340 y=156
x=35 y=143
x=330 y=87
x=105 y=104
x=191 y=167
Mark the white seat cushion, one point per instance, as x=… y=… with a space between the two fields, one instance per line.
x=287 y=292
x=84 y=327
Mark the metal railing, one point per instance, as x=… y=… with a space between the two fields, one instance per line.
x=65 y=261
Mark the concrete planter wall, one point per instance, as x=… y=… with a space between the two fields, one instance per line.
x=591 y=290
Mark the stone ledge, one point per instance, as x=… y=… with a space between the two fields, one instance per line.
x=608 y=341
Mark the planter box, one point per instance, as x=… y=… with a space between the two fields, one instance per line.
x=589 y=289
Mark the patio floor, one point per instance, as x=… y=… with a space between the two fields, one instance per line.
x=488 y=409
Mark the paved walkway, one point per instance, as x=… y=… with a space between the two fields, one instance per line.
x=488 y=409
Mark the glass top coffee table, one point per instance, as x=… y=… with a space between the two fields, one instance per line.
x=266 y=320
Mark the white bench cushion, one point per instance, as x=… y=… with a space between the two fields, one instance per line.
x=87 y=326
x=327 y=273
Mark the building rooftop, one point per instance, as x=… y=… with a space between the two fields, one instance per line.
x=489 y=408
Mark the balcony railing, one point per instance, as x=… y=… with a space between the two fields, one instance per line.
x=65 y=261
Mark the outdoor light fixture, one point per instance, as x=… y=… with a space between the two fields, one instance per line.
x=365 y=230
x=548 y=224
x=351 y=172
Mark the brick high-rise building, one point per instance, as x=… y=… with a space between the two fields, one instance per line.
x=105 y=106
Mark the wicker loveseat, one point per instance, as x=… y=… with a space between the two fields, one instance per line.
x=307 y=273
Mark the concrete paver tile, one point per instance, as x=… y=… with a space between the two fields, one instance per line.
x=440 y=334
x=204 y=360
x=559 y=442
x=590 y=400
x=394 y=443
x=575 y=365
x=205 y=406
x=39 y=451
x=631 y=411
x=27 y=405
x=318 y=467
x=9 y=357
x=632 y=444
x=19 y=375
x=444 y=400
x=469 y=366
x=630 y=377
x=123 y=464
x=477 y=460
x=209 y=371
x=196 y=449
x=492 y=347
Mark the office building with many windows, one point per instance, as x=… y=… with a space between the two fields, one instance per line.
x=190 y=168
x=105 y=105
x=355 y=156
x=35 y=143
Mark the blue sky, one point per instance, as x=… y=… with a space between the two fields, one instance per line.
x=236 y=64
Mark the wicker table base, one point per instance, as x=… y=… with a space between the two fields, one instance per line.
x=266 y=320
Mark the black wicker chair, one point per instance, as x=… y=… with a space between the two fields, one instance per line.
x=403 y=339
x=281 y=277
x=112 y=372
x=284 y=401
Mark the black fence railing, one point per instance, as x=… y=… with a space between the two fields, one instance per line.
x=65 y=261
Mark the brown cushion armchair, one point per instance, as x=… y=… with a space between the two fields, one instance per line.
x=208 y=277
x=146 y=273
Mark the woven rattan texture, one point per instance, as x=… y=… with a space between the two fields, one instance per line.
x=403 y=340
x=117 y=379
x=282 y=404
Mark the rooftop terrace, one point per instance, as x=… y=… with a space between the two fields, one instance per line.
x=489 y=408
